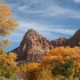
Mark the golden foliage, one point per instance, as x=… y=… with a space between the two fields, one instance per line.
x=62 y=54
x=59 y=64
x=7 y=65
x=7 y=24
x=26 y=71
x=27 y=67
x=8 y=59
x=4 y=43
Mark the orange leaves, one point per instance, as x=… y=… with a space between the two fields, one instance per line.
x=7 y=64
x=7 y=26
x=7 y=23
x=62 y=54
x=61 y=61
x=27 y=67
x=8 y=59
x=5 y=43
x=65 y=52
x=5 y=11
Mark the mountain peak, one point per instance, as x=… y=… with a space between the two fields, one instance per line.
x=74 y=40
x=32 y=33
x=77 y=32
x=33 y=46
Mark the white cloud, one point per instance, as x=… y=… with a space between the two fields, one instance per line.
x=45 y=8
x=62 y=31
x=76 y=1
x=49 y=31
x=42 y=28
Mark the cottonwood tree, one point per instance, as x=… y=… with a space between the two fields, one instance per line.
x=7 y=23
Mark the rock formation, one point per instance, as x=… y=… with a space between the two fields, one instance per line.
x=33 y=47
x=58 y=42
x=74 y=40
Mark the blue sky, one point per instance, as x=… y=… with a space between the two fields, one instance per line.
x=52 y=18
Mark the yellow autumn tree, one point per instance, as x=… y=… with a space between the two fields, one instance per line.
x=61 y=63
x=26 y=71
x=64 y=62
x=7 y=65
x=7 y=23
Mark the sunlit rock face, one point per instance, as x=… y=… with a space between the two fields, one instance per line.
x=33 y=47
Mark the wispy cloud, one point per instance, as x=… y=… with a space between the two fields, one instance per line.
x=76 y=1
x=43 y=28
x=46 y=8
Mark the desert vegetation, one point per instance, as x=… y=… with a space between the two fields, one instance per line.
x=7 y=65
x=62 y=63
x=59 y=64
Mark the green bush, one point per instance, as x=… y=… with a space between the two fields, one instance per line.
x=68 y=67
x=7 y=72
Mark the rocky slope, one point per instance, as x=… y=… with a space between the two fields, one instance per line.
x=74 y=40
x=33 y=47
x=58 y=42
